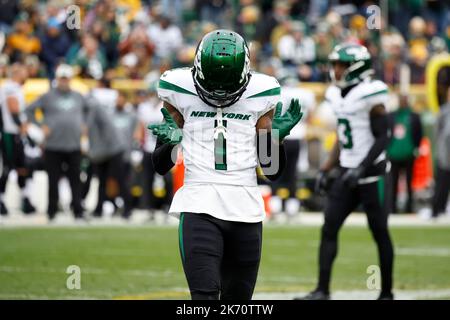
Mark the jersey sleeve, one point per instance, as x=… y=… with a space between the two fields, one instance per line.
x=376 y=93
x=266 y=91
x=174 y=85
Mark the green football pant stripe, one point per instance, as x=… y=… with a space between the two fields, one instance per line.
x=180 y=235
x=381 y=190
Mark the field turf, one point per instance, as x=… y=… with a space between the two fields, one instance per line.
x=144 y=262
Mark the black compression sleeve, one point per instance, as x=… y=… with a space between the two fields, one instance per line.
x=379 y=125
x=271 y=165
x=162 y=157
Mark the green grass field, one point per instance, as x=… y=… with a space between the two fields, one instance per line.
x=144 y=262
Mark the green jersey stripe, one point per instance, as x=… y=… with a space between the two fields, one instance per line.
x=170 y=86
x=374 y=94
x=270 y=92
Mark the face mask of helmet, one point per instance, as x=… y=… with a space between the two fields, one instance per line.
x=357 y=70
x=219 y=98
x=221 y=68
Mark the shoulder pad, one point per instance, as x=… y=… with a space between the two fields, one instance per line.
x=262 y=85
x=372 y=90
x=175 y=82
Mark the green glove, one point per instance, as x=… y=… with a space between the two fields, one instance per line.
x=284 y=123
x=167 y=131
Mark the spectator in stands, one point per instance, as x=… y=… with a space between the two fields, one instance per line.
x=10 y=10
x=89 y=60
x=55 y=44
x=298 y=52
x=22 y=41
x=406 y=129
x=107 y=33
x=63 y=111
x=34 y=67
x=167 y=38
x=211 y=10
x=442 y=175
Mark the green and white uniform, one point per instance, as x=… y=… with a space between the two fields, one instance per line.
x=220 y=176
x=353 y=114
x=11 y=89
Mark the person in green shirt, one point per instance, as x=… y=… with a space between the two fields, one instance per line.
x=406 y=134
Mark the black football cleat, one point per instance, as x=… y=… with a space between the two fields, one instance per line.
x=315 y=295
x=386 y=296
x=3 y=209
x=27 y=207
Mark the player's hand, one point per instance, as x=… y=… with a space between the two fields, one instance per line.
x=322 y=182
x=284 y=123
x=167 y=131
x=351 y=176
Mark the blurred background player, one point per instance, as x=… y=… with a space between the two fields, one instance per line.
x=13 y=131
x=107 y=148
x=285 y=195
x=63 y=123
x=360 y=158
x=403 y=148
x=149 y=113
x=442 y=176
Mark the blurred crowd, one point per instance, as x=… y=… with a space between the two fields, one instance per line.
x=289 y=38
x=104 y=134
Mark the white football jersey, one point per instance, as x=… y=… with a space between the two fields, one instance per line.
x=353 y=119
x=219 y=147
x=8 y=89
x=149 y=113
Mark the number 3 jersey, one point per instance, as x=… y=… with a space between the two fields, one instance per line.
x=353 y=119
x=219 y=147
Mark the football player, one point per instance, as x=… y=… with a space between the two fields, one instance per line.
x=223 y=116
x=13 y=132
x=359 y=157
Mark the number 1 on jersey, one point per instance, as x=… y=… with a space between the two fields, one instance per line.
x=220 y=149
x=345 y=133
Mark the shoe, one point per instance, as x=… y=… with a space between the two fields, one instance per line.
x=126 y=214
x=315 y=295
x=27 y=207
x=3 y=209
x=97 y=214
x=386 y=296
x=51 y=216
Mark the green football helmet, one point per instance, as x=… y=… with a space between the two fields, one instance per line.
x=221 y=69
x=358 y=59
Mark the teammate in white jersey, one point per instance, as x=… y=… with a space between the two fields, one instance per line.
x=223 y=115
x=13 y=130
x=359 y=156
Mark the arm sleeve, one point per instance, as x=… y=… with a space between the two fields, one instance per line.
x=262 y=154
x=162 y=157
x=380 y=128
